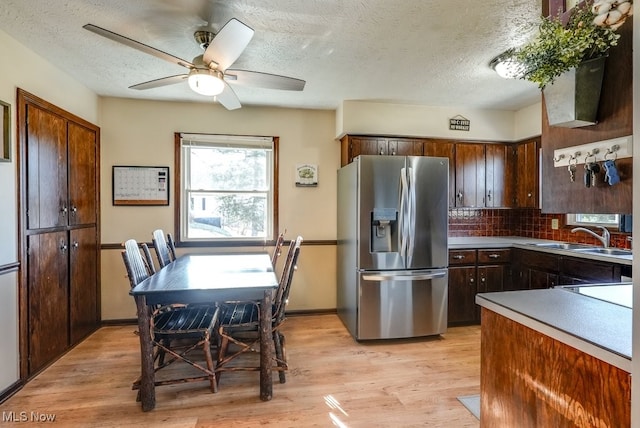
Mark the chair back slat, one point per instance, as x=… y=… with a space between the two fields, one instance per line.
x=284 y=287
x=161 y=247
x=277 y=250
x=148 y=259
x=134 y=263
x=172 y=247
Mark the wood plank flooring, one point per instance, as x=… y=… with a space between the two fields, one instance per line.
x=332 y=381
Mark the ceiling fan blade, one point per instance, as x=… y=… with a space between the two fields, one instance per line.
x=228 y=44
x=165 y=81
x=137 y=45
x=228 y=98
x=264 y=80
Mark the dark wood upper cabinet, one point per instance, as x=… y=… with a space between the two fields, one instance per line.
x=83 y=205
x=444 y=149
x=527 y=174
x=46 y=169
x=500 y=180
x=470 y=175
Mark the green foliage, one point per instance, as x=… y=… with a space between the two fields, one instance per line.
x=558 y=48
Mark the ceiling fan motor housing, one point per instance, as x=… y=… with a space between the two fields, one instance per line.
x=203 y=38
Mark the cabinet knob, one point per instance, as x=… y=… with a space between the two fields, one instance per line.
x=393 y=153
x=529 y=194
x=458 y=257
x=494 y=256
x=74 y=209
x=459 y=195
x=483 y=279
x=489 y=195
x=471 y=280
x=63 y=210
x=75 y=245
x=381 y=152
x=63 y=246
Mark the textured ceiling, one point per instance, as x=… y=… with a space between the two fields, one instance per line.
x=429 y=52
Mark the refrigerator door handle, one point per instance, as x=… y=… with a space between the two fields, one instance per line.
x=411 y=214
x=396 y=276
x=402 y=216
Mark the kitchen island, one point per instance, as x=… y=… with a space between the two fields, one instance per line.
x=555 y=357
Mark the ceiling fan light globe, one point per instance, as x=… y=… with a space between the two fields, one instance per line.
x=205 y=82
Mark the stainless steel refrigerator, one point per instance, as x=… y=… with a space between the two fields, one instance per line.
x=392 y=246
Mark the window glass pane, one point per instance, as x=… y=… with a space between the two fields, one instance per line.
x=227 y=215
x=225 y=168
x=597 y=218
x=226 y=186
x=607 y=220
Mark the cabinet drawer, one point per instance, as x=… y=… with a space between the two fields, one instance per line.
x=491 y=256
x=462 y=257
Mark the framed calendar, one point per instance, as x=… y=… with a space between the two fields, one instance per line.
x=140 y=185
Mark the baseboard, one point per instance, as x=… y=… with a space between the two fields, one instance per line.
x=7 y=393
x=124 y=321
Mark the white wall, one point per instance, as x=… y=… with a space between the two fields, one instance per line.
x=364 y=117
x=136 y=132
x=21 y=68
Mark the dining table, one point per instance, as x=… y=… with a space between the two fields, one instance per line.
x=206 y=278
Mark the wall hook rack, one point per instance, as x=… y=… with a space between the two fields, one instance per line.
x=595 y=152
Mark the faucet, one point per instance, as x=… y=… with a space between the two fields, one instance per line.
x=605 y=238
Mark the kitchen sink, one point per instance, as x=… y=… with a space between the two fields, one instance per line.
x=563 y=246
x=607 y=251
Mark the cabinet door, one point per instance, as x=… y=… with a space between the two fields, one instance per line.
x=527 y=175
x=83 y=282
x=370 y=146
x=48 y=303
x=444 y=149
x=500 y=184
x=542 y=279
x=491 y=278
x=405 y=147
x=470 y=175
x=462 y=294
x=82 y=175
x=46 y=169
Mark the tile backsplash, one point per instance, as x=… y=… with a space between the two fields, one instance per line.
x=530 y=223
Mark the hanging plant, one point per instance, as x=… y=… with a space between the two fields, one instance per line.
x=589 y=33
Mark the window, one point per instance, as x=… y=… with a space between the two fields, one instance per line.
x=227 y=187
x=606 y=220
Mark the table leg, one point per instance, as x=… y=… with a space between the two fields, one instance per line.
x=147 y=380
x=266 y=353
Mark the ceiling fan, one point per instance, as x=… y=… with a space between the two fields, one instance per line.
x=209 y=73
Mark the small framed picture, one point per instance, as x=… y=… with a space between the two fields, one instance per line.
x=5 y=134
x=306 y=175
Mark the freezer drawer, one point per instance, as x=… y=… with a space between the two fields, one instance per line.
x=402 y=304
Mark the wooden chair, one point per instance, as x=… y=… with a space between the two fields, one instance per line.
x=161 y=247
x=192 y=326
x=239 y=322
x=277 y=250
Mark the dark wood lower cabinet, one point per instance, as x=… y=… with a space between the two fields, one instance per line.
x=473 y=271
x=48 y=305
x=462 y=295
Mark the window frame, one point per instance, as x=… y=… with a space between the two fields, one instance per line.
x=179 y=208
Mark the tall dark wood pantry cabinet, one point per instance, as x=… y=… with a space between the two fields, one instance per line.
x=59 y=200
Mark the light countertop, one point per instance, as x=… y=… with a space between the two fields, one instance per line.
x=487 y=242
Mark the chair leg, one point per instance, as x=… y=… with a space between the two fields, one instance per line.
x=209 y=358
x=278 y=340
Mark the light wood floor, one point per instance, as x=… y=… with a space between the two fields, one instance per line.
x=405 y=383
